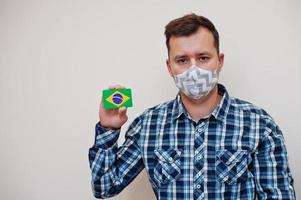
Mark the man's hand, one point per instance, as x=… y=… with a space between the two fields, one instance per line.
x=112 y=118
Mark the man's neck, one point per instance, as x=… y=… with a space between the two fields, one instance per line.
x=203 y=107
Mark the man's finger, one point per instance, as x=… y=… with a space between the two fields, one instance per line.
x=116 y=86
x=122 y=111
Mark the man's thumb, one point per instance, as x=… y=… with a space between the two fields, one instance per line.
x=122 y=111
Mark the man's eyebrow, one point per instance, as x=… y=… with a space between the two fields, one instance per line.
x=198 y=54
x=180 y=56
x=204 y=53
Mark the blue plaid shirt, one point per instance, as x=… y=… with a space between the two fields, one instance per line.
x=238 y=152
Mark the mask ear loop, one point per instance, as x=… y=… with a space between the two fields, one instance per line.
x=216 y=72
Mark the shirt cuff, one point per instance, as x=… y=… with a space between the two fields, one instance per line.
x=105 y=137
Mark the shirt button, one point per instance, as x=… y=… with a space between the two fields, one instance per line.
x=199 y=157
x=170 y=159
x=198 y=186
x=200 y=130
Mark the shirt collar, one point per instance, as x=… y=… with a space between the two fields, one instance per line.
x=219 y=113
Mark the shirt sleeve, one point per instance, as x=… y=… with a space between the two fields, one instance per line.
x=273 y=178
x=113 y=167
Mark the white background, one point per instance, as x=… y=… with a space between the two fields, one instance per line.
x=57 y=56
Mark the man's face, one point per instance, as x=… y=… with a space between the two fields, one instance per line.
x=197 y=49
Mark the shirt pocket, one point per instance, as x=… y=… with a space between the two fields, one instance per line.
x=232 y=166
x=168 y=167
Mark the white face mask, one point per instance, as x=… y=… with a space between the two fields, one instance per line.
x=196 y=82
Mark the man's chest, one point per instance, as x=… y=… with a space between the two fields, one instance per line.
x=205 y=157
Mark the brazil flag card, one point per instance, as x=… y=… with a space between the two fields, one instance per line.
x=117 y=98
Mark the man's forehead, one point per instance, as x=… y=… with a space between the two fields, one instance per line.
x=187 y=49
x=197 y=43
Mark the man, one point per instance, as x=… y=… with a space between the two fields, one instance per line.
x=204 y=144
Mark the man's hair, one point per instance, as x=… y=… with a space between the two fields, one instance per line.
x=188 y=25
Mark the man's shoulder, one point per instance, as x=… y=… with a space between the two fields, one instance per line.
x=254 y=113
x=249 y=107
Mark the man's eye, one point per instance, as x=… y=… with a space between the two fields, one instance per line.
x=203 y=58
x=182 y=61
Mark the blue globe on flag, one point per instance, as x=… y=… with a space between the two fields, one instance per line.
x=117 y=98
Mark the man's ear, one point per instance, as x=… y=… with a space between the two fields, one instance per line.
x=221 y=57
x=169 y=67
